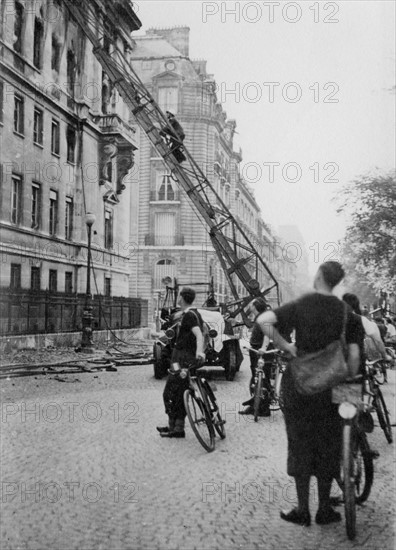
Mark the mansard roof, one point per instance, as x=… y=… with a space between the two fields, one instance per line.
x=153 y=47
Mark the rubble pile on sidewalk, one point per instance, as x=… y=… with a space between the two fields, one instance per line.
x=71 y=360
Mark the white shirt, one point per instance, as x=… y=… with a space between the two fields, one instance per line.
x=391 y=330
x=371 y=328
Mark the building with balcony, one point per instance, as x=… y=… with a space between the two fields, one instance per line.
x=67 y=145
x=171 y=240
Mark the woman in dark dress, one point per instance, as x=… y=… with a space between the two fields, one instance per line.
x=312 y=423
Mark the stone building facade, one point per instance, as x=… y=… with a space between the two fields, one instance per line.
x=67 y=148
x=171 y=241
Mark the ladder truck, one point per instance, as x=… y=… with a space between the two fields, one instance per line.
x=235 y=251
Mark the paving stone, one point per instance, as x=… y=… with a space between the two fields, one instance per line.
x=103 y=478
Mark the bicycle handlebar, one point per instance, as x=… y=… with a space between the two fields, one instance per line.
x=264 y=353
x=371 y=364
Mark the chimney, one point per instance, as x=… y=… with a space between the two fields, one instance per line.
x=200 y=66
x=178 y=37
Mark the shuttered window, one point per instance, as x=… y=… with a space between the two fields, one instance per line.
x=164 y=229
x=167 y=99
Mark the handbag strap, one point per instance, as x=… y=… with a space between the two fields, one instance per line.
x=343 y=332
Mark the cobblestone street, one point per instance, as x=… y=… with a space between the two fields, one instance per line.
x=84 y=468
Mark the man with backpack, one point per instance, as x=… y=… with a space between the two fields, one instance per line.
x=188 y=351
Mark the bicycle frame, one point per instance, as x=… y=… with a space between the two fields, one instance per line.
x=276 y=375
x=258 y=389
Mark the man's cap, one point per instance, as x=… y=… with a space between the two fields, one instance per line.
x=169 y=114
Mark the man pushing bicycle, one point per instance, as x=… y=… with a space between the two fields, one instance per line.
x=189 y=349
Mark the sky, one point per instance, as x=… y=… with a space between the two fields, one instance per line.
x=329 y=114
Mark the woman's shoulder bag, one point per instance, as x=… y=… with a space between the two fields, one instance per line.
x=320 y=371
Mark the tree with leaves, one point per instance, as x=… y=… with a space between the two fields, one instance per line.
x=370 y=241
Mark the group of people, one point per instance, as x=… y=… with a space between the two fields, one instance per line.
x=313 y=425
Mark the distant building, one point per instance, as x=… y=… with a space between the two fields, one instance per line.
x=295 y=253
x=171 y=240
x=67 y=146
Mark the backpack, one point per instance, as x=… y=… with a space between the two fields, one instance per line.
x=202 y=324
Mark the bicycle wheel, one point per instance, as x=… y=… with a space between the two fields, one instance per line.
x=199 y=419
x=230 y=366
x=383 y=415
x=363 y=468
x=348 y=482
x=217 y=420
x=258 y=393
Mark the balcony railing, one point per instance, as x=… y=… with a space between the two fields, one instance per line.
x=164 y=240
x=113 y=124
x=160 y=197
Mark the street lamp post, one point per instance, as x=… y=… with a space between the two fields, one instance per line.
x=87 y=341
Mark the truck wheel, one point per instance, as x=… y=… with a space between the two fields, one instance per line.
x=158 y=364
x=231 y=364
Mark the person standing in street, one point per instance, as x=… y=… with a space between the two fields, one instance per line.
x=188 y=351
x=390 y=330
x=258 y=341
x=382 y=328
x=313 y=426
x=373 y=346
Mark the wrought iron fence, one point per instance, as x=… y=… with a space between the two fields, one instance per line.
x=32 y=312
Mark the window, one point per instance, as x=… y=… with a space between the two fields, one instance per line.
x=227 y=195
x=1 y=100
x=53 y=280
x=69 y=282
x=108 y=229
x=109 y=170
x=53 y=212
x=168 y=99
x=69 y=218
x=71 y=143
x=165 y=229
x=163 y=268
x=15 y=279
x=107 y=286
x=19 y=108
x=55 y=137
x=165 y=190
x=105 y=97
x=38 y=126
x=36 y=205
x=71 y=72
x=38 y=43
x=16 y=199
x=18 y=27
x=35 y=276
x=56 y=54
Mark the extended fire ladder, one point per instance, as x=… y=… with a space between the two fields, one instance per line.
x=233 y=247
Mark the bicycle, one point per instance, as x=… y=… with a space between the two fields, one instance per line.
x=357 y=468
x=375 y=398
x=257 y=388
x=202 y=410
x=277 y=369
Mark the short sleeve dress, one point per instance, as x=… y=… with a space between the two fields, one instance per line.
x=313 y=425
